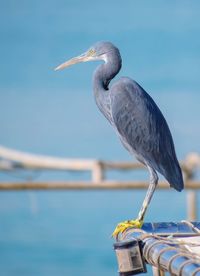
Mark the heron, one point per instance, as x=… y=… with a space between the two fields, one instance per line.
x=137 y=121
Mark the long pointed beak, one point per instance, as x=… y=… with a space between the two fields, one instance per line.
x=82 y=58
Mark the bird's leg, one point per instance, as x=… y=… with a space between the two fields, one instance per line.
x=121 y=227
x=152 y=186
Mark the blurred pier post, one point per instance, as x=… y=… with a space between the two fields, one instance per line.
x=97 y=172
x=191 y=164
x=192 y=205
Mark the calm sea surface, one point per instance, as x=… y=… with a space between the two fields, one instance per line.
x=47 y=112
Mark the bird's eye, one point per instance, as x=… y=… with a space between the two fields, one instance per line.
x=91 y=52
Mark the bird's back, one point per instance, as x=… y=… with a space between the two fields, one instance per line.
x=144 y=130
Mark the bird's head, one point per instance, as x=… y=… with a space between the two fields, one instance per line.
x=98 y=51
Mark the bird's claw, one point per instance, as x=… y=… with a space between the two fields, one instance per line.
x=122 y=226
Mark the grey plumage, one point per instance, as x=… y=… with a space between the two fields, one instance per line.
x=135 y=117
x=139 y=122
x=144 y=129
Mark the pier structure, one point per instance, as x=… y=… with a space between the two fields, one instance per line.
x=166 y=247
x=17 y=161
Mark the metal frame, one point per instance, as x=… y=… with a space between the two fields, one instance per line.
x=164 y=247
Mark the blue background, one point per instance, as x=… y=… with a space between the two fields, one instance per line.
x=47 y=112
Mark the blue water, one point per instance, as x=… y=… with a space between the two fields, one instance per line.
x=47 y=112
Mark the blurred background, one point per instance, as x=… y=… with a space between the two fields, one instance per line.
x=53 y=113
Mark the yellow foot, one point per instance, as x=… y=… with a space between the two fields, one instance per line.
x=122 y=226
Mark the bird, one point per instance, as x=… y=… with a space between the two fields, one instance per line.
x=137 y=121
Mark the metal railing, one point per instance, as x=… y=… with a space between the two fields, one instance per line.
x=167 y=247
x=12 y=160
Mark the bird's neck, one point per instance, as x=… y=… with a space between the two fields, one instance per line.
x=106 y=72
x=102 y=77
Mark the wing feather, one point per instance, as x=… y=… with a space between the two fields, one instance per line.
x=144 y=130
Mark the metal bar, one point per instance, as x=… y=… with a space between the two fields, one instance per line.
x=176 y=252
x=40 y=162
x=119 y=165
x=169 y=258
x=157 y=272
x=87 y=185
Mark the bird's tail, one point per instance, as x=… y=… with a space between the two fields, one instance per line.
x=174 y=176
